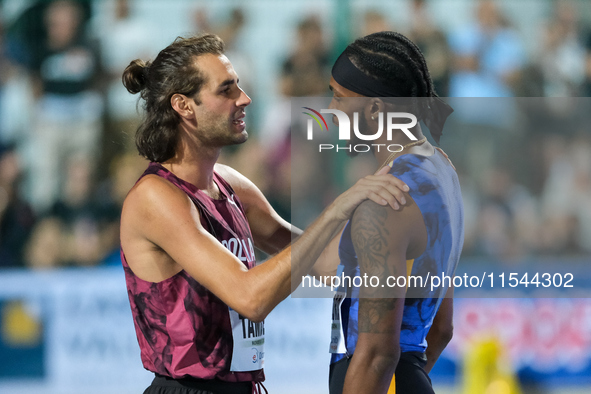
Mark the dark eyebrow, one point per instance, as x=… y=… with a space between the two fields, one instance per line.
x=227 y=82
x=335 y=91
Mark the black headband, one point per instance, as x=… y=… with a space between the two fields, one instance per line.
x=352 y=78
x=346 y=74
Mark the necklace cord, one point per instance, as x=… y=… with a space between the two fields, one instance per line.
x=409 y=145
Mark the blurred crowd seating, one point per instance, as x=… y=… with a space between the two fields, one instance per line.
x=67 y=156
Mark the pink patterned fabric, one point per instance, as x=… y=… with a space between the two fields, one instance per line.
x=183 y=329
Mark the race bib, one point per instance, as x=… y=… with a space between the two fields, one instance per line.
x=337 y=338
x=249 y=338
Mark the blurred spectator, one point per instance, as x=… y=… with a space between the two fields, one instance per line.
x=305 y=71
x=565 y=197
x=16 y=216
x=507 y=219
x=66 y=67
x=13 y=88
x=374 y=22
x=4 y=71
x=123 y=37
x=562 y=57
x=83 y=214
x=276 y=124
x=526 y=187
x=488 y=60
x=489 y=55
x=513 y=222
x=4 y=64
x=79 y=226
x=433 y=43
x=275 y=152
x=587 y=43
x=125 y=169
x=46 y=247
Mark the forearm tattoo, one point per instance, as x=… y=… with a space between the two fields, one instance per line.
x=373 y=313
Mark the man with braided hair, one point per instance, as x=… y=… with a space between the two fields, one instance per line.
x=189 y=227
x=380 y=331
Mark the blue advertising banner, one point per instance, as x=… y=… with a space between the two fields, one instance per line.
x=64 y=331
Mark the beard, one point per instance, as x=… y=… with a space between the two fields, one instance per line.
x=219 y=132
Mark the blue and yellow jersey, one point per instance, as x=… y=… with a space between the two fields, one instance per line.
x=435 y=188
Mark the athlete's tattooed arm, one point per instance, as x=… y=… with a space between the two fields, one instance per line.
x=383 y=240
x=371 y=240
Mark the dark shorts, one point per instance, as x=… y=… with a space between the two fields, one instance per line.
x=166 y=385
x=411 y=378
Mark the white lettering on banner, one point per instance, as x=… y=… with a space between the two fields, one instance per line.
x=87 y=309
x=87 y=335
x=546 y=335
x=88 y=330
x=240 y=249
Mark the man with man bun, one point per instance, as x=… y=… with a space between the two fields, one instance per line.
x=189 y=228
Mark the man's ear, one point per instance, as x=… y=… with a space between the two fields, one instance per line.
x=373 y=107
x=180 y=103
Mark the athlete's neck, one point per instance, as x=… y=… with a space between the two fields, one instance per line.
x=194 y=163
x=400 y=138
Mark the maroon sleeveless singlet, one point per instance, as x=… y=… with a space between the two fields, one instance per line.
x=183 y=329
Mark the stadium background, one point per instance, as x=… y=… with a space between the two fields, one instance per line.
x=67 y=159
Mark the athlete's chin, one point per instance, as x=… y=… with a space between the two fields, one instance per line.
x=239 y=132
x=242 y=137
x=237 y=139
